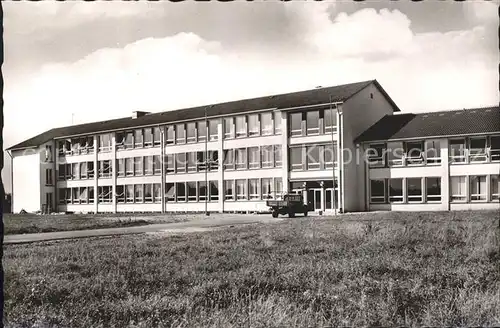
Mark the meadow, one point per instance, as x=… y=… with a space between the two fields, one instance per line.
x=35 y=223
x=375 y=269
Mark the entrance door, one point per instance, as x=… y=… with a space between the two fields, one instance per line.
x=331 y=202
x=314 y=199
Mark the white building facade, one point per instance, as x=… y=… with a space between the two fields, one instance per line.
x=234 y=156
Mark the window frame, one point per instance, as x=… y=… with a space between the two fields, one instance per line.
x=314 y=130
x=313 y=164
x=432 y=198
x=242 y=183
x=229 y=159
x=296 y=166
x=266 y=130
x=414 y=198
x=191 y=132
x=478 y=155
x=232 y=187
x=213 y=192
x=267 y=188
x=494 y=196
x=229 y=129
x=414 y=160
x=378 y=199
x=298 y=131
x=253 y=157
x=253 y=125
x=213 y=131
x=462 y=158
x=395 y=198
x=201 y=131
x=458 y=198
x=277 y=155
x=481 y=197
x=180 y=138
x=494 y=153
x=240 y=159
x=253 y=189
x=392 y=159
x=241 y=131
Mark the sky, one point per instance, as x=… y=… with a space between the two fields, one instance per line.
x=78 y=62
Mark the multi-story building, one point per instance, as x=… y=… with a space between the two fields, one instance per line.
x=234 y=156
x=433 y=161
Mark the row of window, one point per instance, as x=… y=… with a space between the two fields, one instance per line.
x=313 y=157
x=420 y=152
x=474 y=188
x=192 y=191
x=313 y=122
x=138 y=138
x=253 y=189
x=83 y=170
x=253 y=157
x=191 y=162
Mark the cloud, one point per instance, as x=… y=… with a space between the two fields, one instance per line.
x=421 y=71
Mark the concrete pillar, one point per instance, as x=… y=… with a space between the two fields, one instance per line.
x=445 y=174
x=114 y=171
x=96 y=176
x=220 y=172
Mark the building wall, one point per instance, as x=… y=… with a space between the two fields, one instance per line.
x=26 y=180
x=360 y=112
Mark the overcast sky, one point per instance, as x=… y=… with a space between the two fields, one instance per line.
x=102 y=60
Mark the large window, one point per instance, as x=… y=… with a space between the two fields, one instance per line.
x=104 y=142
x=192 y=162
x=495 y=148
x=253 y=156
x=241 y=158
x=228 y=128
x=129 y=140
x=414 y=152
x=414 y=189
x=229 y=159
x=229 y=191
x=148 y=165
x=494 y=186
x=156 y=136
x=266 y=155
x=213 y=158
x=214 y=190
x=105 y=194
x=202 y=191
x=148 y=193
x=296 y=124
x=181 y=191
x=61 y=173
x=191 y=132
x=213 y=129
x=266 y=121
x=296 y=158
x=121 y=167
x=478 y=189
x=76 y=171
x=138 y=166
x=330 y=121
x=312 y=119
x=138 y=141
x=83 y=170
x=395 y=153
x=180 y=161
x=253 y=188
x=148 y=137
x=156 y=164
x=458 y=189
x=277 y=156
x=433 y=192
x=139 y=193
x=267 y=188
x=376 y=155
x=432 y=151
x=191 y=191
x=120 y=194
x=91 y=195
x=277 y=122
x=241 y=127
x=180 y=134
x=477 y=152
x=457 y=151
x=129 y=193
x=170 y=192
x=202 y=131
x=329 y=155
x=241 y=189
x=312 y=155
x=157 y=192
x=170 y=163
x=129 y=166
x=253 y=125
x=278 y=189
x=395 y=190
x=170 y=135
x=377 y=191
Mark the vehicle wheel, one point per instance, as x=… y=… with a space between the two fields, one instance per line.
x=291 y=214
x=275 y=214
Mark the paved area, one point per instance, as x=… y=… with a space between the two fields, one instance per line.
x=178 y=227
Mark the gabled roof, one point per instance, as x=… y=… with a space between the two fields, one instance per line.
x=444 y=123
x=317 y=96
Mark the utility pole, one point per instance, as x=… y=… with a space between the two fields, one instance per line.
x=206 y=162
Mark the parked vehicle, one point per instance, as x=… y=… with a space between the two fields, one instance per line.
x=290 y=204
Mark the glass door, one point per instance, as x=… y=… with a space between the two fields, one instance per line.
x=331 y=202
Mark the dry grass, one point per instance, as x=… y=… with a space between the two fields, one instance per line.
x=438 y=269
x=33 y=223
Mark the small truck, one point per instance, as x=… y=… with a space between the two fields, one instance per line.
x=290 y=204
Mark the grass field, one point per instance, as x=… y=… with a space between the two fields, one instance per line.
x=385 y=269
x=32 y=223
